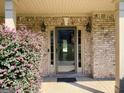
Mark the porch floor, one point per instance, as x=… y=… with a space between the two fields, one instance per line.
x=82 y=85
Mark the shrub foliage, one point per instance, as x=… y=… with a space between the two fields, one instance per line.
x=20 y=55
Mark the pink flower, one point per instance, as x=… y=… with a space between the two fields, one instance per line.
x=15 y=49
x=17 y=71
x=13 y=67
x=18 y=90
x=21 y=59
x=21 y=70
x=29 y=65
x=7 y=29
x=5 y=73
x=1 y=81
x=2 y=70
x=1 y=47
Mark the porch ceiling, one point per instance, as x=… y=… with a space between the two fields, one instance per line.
x=62 y=7
x=59 y=7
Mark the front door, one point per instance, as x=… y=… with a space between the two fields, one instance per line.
x=65 y=49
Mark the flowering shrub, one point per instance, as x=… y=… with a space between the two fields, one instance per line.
x=20 y=55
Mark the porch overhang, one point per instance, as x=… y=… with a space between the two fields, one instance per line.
x=68 y=8
x=62 y=7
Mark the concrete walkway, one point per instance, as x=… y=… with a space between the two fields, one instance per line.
x=83 y=85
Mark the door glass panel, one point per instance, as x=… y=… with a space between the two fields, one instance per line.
x=79 y=48
x=65 y=49
x=66 y=45
x=52 y=47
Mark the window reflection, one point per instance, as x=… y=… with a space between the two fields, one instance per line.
x=79 y=48
x=66 y=45
x=52 y=47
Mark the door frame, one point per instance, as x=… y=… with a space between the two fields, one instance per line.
x=76 y=46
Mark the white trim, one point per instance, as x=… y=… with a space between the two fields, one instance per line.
x=56 y=15
x=54 y=31
x=51 y=67
x=121 y=6
x=106 y=12
x=83 y=50
x=49 y=53
x=79 y=69
x=121 y=44
x=76 y=65
x=10 y=15
x=68 y=15
x=76 y=49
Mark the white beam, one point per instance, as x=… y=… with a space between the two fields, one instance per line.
x=10 y=15
x=119 y=87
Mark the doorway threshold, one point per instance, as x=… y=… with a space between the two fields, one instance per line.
x=69 y=74
x=77 y=78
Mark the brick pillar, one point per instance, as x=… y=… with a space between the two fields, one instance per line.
x=119 y=87
x=103 y=33
x=10 y=15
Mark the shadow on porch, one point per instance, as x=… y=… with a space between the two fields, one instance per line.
x=81 y=85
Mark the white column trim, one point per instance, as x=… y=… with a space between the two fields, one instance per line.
x=10 y=15
x=121 y=6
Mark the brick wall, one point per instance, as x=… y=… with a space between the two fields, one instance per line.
x=43 y=66
x=99 y=45
x=33 y=23
x=103 y=45
x=87 y=41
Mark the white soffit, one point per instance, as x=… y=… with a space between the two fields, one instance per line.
x=62 y=7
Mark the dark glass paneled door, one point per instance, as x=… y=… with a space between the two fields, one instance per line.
x=65 y=49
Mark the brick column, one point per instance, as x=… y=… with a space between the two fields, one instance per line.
x=119 y=87
x=10 y=15
x=103 y=42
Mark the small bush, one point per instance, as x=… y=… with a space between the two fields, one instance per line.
x=20 y=54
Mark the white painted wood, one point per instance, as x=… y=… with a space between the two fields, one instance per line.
x=119 y=86
x=59 y=7
x=121 y=39
x=66 y=21
x=121 y=6
x=52 y=69
x=79 y=69
x=10 y=15
x=62 y=7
